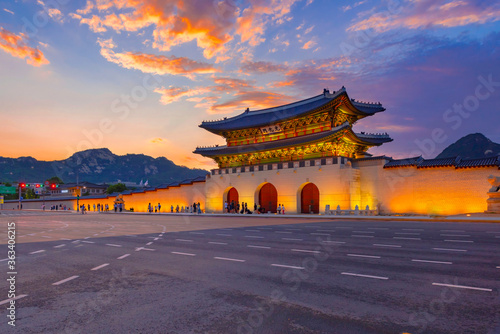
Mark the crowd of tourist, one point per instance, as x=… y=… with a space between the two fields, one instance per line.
x=236 y=207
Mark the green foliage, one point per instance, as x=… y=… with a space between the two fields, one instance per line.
x=30 y=194
x=55 y=179
x=116 y=188
x=8 y=184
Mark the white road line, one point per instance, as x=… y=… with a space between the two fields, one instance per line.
x=285 y=266
x=123 y=256
x=253 y=231
x=143 y=248
x=88 y=242
x=197 y=232
x=462 y=287
x=293 y=229
x=149 y=243
x=492 y=232
x=101 y=266
x=343 y=227
x=333 y=242
x=228 y=259
x=383 y=245
x=59 y=246
x=469 y=241
x=224 y=235
x=291 y=239
x=180 y=253
x=407 y=233
x=362 y=232
x=15 y=298
x=313 y=233
x=405 y=238
x=113 y=245
x=326 y=231
x=217 y=243
x=362 y=236
x=366 y=276
x=377 y=228
x=226 y=229
x=253 y=236
x=184 y=240
x=429 y=261
x=452 y=231
x=65 y=239
x=455 y=235
x=156 y=239
x=264 y=228
x=285 y=232
x=498 y=267
x=305 y=251
x=368 y=256
x=412 y=229
x=263 y=247
x=38 y=251
x=451 y=249
x=65 y=280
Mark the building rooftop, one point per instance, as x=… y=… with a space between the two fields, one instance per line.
x=456 y=162
x=264 y=117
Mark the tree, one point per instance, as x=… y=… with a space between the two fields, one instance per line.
x=116 y=188
x=55 y=179
x=30 y=194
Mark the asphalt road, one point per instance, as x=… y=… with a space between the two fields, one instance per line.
x=111 y=273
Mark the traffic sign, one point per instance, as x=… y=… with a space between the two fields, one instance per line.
x=7 y=190
x=47 y=183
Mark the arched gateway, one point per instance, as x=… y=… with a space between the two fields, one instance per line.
x=309 y=198
x=268 y=198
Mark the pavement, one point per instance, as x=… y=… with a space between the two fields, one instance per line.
x=136 y=273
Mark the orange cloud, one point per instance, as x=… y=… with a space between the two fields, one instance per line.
x=426 y=13
x=17 y=47
x=309 y=45
x=156 y=64
x=262 y=67
x=172 y=94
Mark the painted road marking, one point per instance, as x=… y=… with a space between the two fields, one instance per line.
x=180 y=253
x=253 y=236
x=196 y=232
x=455 y=235
x=367 y=256
x=291 y=239
x=377 y=228
x=263 y=247
x=143 y=248
x=452 y=231
x=462 y=287
x=362 y=236
x=59 y=246
x=363 y=232
x=224 y=235
x=264 y=228
x=405 y=238
x=253 y=231
x=113 y=245
x=123 y=256
x=285 y=232
x=15 y=298
x=406 y=233
x=451 y=249
x=286 y=266
x=65 y=239
x=155 y=239
x=149 y=243
x=305 y=251
x=65 y=280
x=326 y=231
x=429 y=261
x=226 y=229
x=293 y=229
x=88 y=242
x=315 y=233
x=38 y=251
x=228 y=259
x=383 y=245
x=184 y=240
x=470 y=241
x=333 y=242
x=217 y=243
x=366 y=276
x=101 y=266
x=412 y=229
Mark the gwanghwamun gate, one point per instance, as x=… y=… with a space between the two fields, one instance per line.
x=306 y=156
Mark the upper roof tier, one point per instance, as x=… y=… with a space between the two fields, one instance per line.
x=264 y=117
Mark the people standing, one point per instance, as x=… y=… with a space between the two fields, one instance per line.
x=172 y=208
x=159 y=207
x=279 y=209
x=283 y=209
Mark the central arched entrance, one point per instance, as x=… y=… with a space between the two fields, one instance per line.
x=309 y=199
x=268 y=198
x=232 y=195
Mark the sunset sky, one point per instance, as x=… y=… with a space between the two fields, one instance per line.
x=139 y=76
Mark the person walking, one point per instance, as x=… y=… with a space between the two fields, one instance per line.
x=283 y=209
x=159 y=207
x=279 y=209
x=199 y=208
x=94 y=207
x=172 y=208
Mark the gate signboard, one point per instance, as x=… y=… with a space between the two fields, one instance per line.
x=7 y=190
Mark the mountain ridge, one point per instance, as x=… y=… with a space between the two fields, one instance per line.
x=471 y=146
x=98 y=166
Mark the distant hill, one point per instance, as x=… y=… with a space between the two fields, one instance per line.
x=97 y=166
x=472 y=146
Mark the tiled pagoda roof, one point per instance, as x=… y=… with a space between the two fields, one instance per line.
x=257 y=118
x=373 y=140
x=456 y=162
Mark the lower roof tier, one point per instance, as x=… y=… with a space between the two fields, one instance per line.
x=340 y=140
